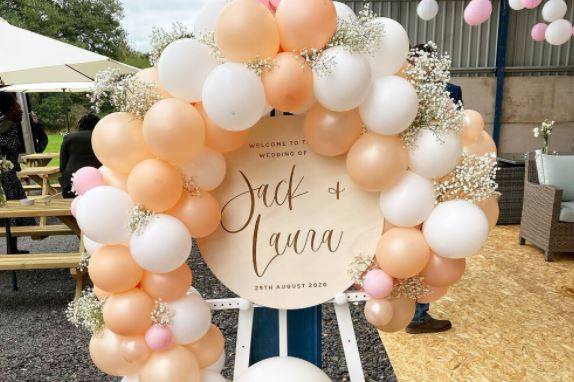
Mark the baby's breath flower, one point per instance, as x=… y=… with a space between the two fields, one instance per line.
x=358 y=266
x=5 y=165
x=413 y=288
x=86 y=312
x=160 y=38
x=259 y=65
x=161 y=314
x=360 y=35
x=139 y=219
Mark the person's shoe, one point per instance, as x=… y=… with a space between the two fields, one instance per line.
x=429 y=326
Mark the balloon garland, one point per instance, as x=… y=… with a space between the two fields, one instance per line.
x=163 y=151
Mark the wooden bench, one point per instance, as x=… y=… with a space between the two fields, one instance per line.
x=46 y=261
x=38 y=231
x=38 y=187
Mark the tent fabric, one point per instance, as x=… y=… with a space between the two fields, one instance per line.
x=50 y=87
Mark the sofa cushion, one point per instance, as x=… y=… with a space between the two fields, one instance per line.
x=567 y=212
x=557 y=171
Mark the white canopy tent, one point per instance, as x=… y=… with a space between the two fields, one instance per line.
x=50 y=87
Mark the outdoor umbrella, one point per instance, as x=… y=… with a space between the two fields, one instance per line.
x=50 y=87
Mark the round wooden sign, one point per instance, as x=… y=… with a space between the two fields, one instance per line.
x=291 y=220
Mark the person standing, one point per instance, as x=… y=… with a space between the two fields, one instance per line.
x=38 y=133
x=76 y=152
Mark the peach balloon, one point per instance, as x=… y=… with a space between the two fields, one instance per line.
x=201 y=213
x=134 y=349
x=436 y=293
x=218 y=138
x=177 y=364
x=114 y=178
x=246 y=30
x=167 y=286
x=150 y=76
x=387 y=226
x=118 y=142
x=442 y=272
x=483 y=145
x=376 y=162
x=113 y=270
x=331 y=133
x=128 y=313
x=490 y=208
x=100 y=293
x=402 y=252
x=403 y=313
x=173 y=130
x=209 y=348
x=289 y=83
x=472 y=126
x=155 y=184
x=378 y=312
x=305 y=24
x=105 y=351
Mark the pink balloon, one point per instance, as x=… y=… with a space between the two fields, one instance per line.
x=267 y=4
x=74 y=205
x=158 y=337
x=275 y=3
x=538 y=32
x=378 y=284
x=87 y=178
x=530 y=4
x=477 y=12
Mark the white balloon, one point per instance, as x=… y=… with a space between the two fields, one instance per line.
x=207 y=16
x=191 y=319
x=183 y=67
x=409 y=202
x=344 y=12
x=91 y=246
x=554 y=10
x=559 y=32
x=347 y=84
x=517 y=5
x=162 y=245
x=456 y=229
x=390 y=107
x=103 y=214
x=391 y=53
x=207 y=169
x=283 y=369
x=233 y=96
x=133 y=378
x=211 y=376
x=218 y=365
x=432 y=156
x=427 y=9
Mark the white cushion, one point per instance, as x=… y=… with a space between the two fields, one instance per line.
x=557 y=171
x=567 y=212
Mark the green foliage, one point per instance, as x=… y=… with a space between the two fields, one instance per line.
x=54 y=144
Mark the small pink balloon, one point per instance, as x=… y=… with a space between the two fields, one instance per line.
x=275 y=3
x=267 y=4
x=74 y=205
x=477 y=12
x=530 y=4
x=378 y=284
x=87 y=178
x=158 y=337
x=538 y=32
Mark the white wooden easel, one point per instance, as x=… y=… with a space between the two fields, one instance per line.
x=245 y=325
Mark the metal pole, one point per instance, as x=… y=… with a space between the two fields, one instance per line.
x=26 y=125
x=500 y=63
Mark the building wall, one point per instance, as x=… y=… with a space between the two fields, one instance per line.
x=526 y=103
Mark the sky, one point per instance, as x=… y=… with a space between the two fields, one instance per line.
x=142 y=15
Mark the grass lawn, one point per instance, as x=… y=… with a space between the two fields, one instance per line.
x=54 y=143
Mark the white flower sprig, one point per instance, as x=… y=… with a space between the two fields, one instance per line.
x=5 y=165
x=429 y=73
x=122 y=92
x=358 y=266
x=160 y=38
x=360 y=35
x=413 y=288
x=545 y=129
x=161 y=314
x=139 y=218
x=86 y=312
x=473 y=179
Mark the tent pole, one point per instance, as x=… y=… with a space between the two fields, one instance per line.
x=26 y=125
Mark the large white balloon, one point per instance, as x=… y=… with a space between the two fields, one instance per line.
x=233 y=96
x=133 y=378
x=344 y=12
x=103 y=214
x=162 y=245
x=409 y=202
x=211 y=376
x=190 y=319
x=207 y=16
x=218 y=365
x=559 y=32
x=391 y=54
x=91 y=246
x=347 y=84
x=283 y=369
x=517 y=5
x=554 y=10
x=207 y=169
x=427 y=9
x=390 y=107
x=456 y=229
x=432 y=156
x=183 y=67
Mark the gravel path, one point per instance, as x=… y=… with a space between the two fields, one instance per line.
x=38 y=344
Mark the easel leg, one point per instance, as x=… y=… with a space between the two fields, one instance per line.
x=243 y=344
x=345 y=323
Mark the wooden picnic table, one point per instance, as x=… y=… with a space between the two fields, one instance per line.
x=42 y=176
x=39 y=159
